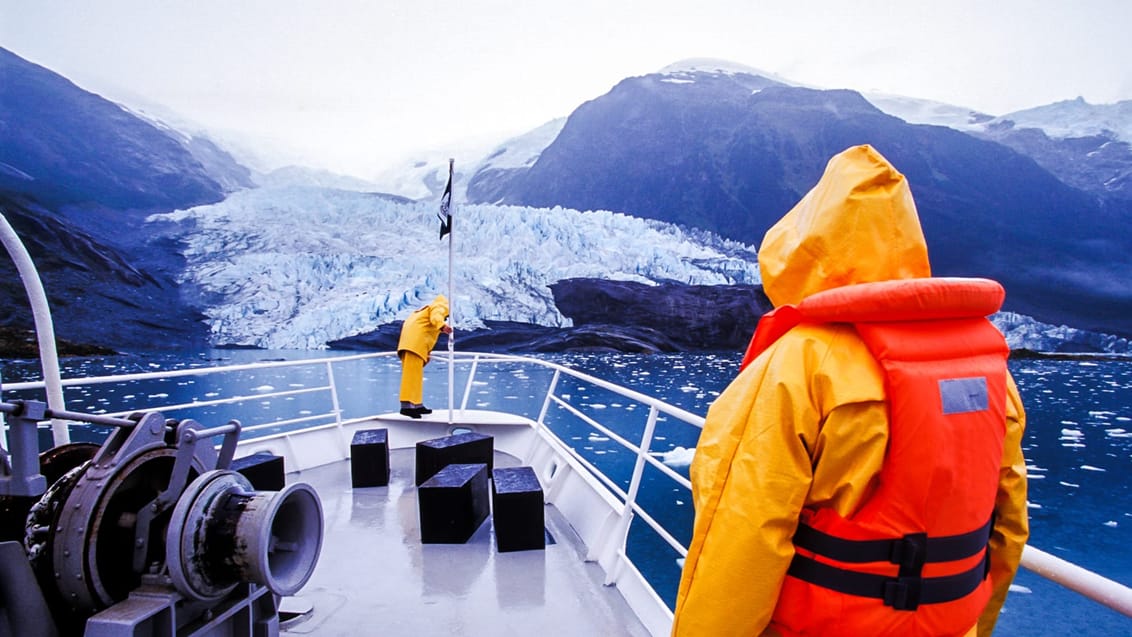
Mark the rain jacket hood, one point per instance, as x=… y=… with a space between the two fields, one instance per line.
x=857 y=225
x=421 y=330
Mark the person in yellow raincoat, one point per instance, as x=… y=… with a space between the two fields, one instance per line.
x=419 y=334
x=805 y=425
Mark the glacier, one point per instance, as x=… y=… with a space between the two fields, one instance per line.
x=295 y=267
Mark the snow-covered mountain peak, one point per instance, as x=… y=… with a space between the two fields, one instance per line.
x=719 y=67
x=1076 y=118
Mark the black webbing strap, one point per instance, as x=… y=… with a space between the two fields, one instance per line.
x=901 y=593
x=936 y=549
x=908 y=589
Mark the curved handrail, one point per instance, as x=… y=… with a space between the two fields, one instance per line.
x=41 y=314
x=1089 y=584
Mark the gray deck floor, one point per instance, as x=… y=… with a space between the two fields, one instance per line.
x=375 y=577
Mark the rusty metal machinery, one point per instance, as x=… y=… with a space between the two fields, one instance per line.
x=151 y=533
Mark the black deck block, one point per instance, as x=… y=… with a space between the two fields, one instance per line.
x=453 y=503
x=517 y=509
x=369 y=458
x=466 y=448
x=264 y=470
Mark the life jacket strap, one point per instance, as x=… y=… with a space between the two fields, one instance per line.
x=901 y=592
x=908 y=550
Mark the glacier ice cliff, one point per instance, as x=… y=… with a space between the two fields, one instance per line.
x=298 y=267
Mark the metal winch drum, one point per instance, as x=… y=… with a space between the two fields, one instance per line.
x=155 y=508
x=223 y=532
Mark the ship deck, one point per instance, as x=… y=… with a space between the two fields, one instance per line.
x=375 y=576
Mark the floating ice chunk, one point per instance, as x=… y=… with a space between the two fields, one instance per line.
x=1018 y=588
x=1033 y=505
x=263 y=388
x=1111 y=523
x=1089 y=467
x=1071 y=433
x=1068 y=484
x=678 y=457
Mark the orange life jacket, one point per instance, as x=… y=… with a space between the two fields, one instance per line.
x=912 y=560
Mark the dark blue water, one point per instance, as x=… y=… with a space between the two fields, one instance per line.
x=1078 y=444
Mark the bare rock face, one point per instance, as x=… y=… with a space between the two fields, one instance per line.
x=615 y=316
x=691 y=317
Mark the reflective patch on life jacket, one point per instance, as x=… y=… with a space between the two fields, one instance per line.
x=963 y=395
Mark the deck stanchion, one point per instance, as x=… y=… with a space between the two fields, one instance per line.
x=468 y=385
x=334 y=405
x=617 y=540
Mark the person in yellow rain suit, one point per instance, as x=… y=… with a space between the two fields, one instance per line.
x=863 y=474
x=419 y=333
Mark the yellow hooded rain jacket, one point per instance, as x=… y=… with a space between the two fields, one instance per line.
x=806 y=423
x=421 y=330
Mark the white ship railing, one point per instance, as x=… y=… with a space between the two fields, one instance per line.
x=610 y=552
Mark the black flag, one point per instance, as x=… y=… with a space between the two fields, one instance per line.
x=445 y=214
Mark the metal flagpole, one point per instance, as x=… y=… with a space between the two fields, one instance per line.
x=451 y=304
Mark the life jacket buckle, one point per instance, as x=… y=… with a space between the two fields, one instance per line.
x=910 y=552
x=903 y=593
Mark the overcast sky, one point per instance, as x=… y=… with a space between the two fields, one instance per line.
x=357 y=86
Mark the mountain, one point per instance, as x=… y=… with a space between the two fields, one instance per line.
x=63 y=145
x=731 y=152
x=99 y=294
x=1087 y=146
x=1076 y=118
x=78 y=175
